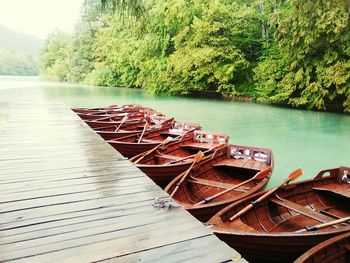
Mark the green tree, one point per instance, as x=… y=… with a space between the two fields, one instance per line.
x=309 y=64
x=54 y=63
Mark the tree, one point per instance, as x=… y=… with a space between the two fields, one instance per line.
x=309 y=64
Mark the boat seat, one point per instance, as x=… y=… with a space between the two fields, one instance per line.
x=217 y=184
x=249 y=164
x=339 y=189
x=301 y=210
x=148 y=141
x=170 y=157
x=199 y=145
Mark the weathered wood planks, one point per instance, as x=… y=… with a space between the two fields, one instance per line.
x=65 y=194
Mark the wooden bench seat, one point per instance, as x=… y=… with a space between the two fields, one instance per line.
x=217 y=184
x=301 y=210
x=149 y=141
x=249 y=164
x=171 y=157
x=339 y=189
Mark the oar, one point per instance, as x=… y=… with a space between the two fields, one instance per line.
x=294 y=175
x=259 y=176
x=143 y=132
x=317 y=227
x=168 y=139
x=196 y=159
x=121 y=123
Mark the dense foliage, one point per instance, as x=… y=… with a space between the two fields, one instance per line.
x=286 y=52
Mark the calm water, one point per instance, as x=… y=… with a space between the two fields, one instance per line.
x=310 y=140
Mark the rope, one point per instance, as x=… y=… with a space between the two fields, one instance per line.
x=164 y=203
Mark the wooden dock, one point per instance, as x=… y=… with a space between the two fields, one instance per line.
x=66 y=195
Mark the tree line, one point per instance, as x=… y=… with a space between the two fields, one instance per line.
x=290 y=52
x=16 y=63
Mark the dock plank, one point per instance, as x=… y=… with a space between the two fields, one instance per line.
x=65 y=193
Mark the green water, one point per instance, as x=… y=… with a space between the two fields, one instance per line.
x=310 y=140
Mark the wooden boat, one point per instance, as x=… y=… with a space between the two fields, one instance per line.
x=151 y=119
x=112 y=109
x=111 y=132
x=169 y=161
x=129 y=130
x=274 y=229
x=101 y=124
x=114 y=131
x=228 y=168
x=130 y=146
x=107 y=116
x=336 y=249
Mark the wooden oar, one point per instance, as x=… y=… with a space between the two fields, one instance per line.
x=121 y=123
x=169 y=139
x=143 y=132
x=259 y=176
x=196 y=159
x=317 y=227
x=294 y=175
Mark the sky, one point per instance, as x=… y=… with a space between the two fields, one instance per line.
x=39 y=17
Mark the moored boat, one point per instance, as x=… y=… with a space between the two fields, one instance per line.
x=336 y=249
x=232 y=173
x=132 y=145
x=151 y=119
x=116 y=116
x=101 y=124
x=173 y=158
x=112 y=109
x=287 y=223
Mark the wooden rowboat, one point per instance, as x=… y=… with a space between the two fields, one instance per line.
x=169 y=161
x=228 y=168
x=336 y=249
x=152 y=119
x=101 y=124
x=274 y=229
x=112 y=109
x=112 y=132
x=132 y=145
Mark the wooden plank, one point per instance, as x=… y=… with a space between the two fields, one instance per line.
x=67 y=194
x=184 y=251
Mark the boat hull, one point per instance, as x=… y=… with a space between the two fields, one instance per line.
x=110 y=135
x=163 y=174
x=278 y=248
x=131 y=149
x=332 y=250
x=274 y=229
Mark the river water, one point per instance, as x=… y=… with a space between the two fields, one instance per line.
x=311 y=140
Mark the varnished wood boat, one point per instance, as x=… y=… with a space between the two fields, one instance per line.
x=169 y=161
x=113 y=131
x=112 y=109
x=130 y=146
x=228 y=168
x=336 y=249
x=151 y=119
x=116 y=116
x=274 y=229
x=101 y=124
